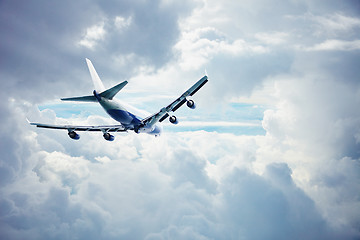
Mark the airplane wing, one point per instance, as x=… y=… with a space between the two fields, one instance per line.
x=102 y=128
x=175 y=105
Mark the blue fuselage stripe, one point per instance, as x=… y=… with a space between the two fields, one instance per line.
x=124 y=117
x=127 y=119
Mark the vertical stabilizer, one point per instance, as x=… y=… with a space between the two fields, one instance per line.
x=99 y=87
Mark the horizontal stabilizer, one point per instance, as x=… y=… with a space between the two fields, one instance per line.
x=99 y=88
x=91 y=98
x=110 y=93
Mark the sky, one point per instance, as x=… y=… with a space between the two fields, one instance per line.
x=272 y=150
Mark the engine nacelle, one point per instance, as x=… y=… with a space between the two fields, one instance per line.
x=74 y=135
x=173 y=120
x=191 y=104
x=108 y=137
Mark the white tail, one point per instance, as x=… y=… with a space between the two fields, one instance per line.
x=99 y=87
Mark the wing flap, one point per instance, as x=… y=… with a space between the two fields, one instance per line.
x=163 y=117
x=178 y=105
x=198 y=85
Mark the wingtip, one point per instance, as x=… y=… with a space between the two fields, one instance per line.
x=31 y=123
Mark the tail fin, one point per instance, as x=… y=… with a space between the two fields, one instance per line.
x=99 y=87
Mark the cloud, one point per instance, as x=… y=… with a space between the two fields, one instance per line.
x=276 y=189
x=122 y=23
x=273 y=38
x=178 y=199
x=336 y=45
x=313 y=134
x=337 y=22
x=94 y=34
x=198 y=46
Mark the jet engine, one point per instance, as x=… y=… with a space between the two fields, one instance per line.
x=108 y=137
x=191 y=104
x=74 y=135
x=173 y=120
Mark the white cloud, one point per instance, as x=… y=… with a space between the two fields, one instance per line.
x=93 y=35
x=337 y=23
x=197 y=47
x=122 y=23
x=263 y=95
x=328 y=25
x=336 y=45
x=58 y=168
x=104 y=159
x=171 y=196
x=272 y=38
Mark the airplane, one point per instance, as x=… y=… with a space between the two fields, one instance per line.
x=127 y=120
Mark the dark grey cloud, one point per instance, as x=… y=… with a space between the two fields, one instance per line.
x=153 y=29
x=40 y=49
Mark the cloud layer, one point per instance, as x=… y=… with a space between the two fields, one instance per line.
x=298 y=60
